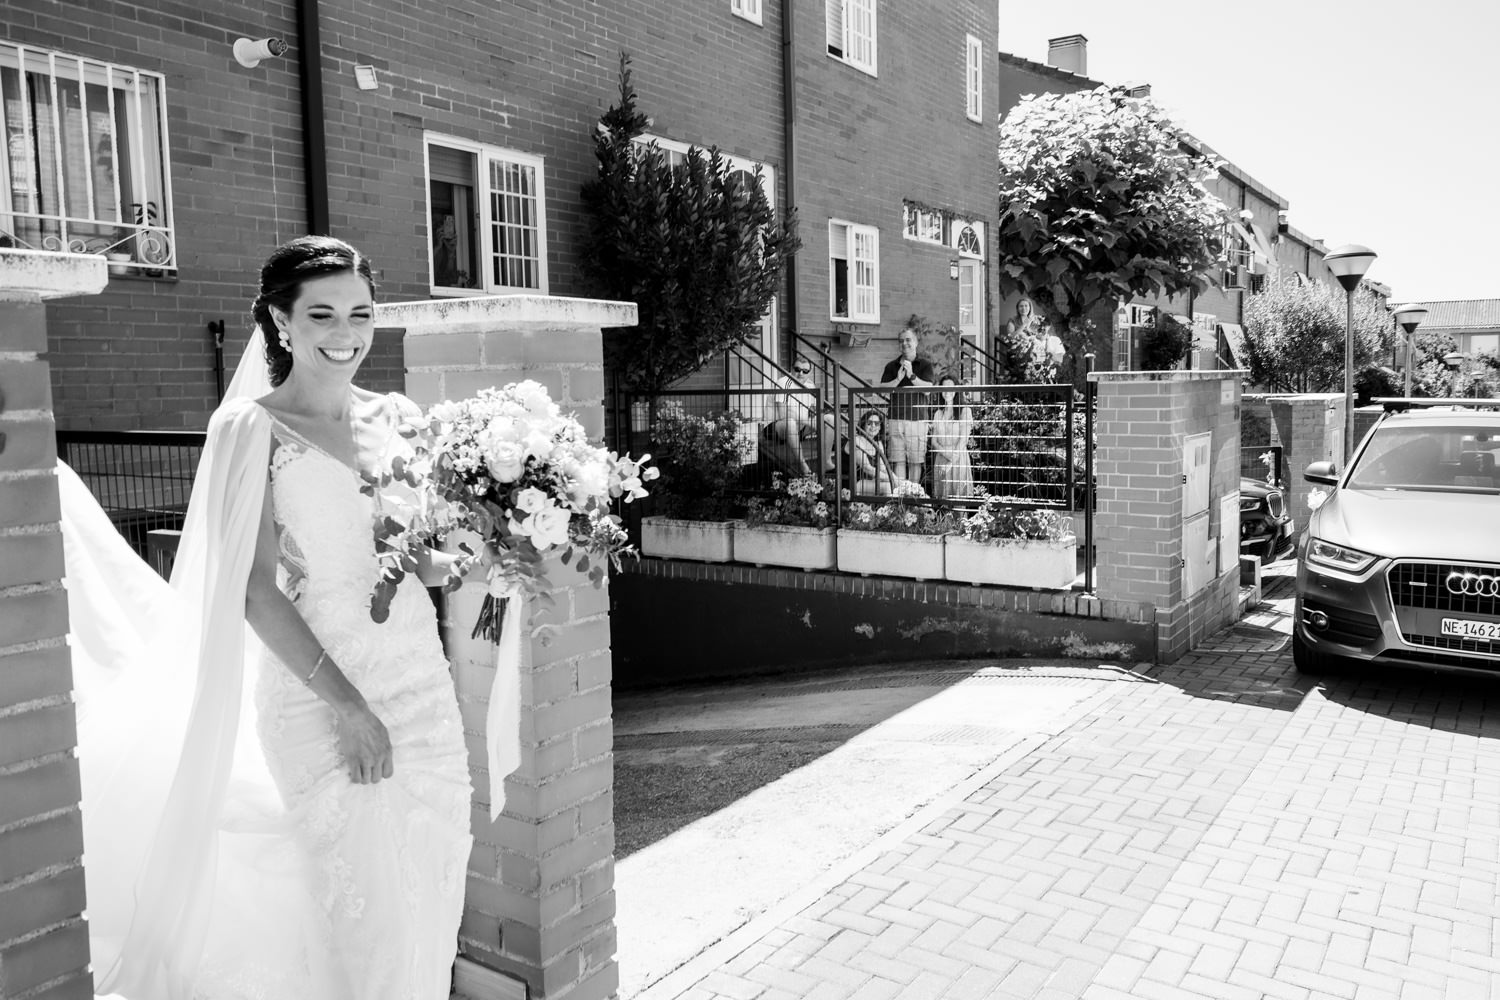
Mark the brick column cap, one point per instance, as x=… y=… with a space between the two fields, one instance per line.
x=1192 y=375
x=485 y=312
x=42 y=274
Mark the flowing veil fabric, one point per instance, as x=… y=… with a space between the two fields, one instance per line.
x=161 y=681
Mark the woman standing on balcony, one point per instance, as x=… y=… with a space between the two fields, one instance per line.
x=299 y=826
x=952 y=473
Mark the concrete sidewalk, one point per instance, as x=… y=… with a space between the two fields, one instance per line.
x=1211 y=829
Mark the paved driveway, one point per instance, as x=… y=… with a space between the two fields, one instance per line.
x=1212 y=829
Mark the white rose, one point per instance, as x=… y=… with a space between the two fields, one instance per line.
x=549 y=527
x=530 y=500
x=505 y=460
x=534 y=396
x=503 y=428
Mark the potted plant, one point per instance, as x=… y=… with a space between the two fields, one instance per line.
x=1011 y=546
x=700 y=457
x=899 y=537
x=794 y=527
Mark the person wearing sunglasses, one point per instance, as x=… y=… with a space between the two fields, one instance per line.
x=789 y=442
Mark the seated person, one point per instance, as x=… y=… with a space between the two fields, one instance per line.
x=872 y=471
x=790 y=446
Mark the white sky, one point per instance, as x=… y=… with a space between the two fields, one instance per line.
x=1378 y=120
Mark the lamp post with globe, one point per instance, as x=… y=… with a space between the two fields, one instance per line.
x=1349 y=264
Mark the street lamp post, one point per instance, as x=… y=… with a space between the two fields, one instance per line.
x=1455 y=361
x=1410 y=316
x=1349 y=264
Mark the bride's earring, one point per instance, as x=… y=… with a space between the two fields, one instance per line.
x=284 y=340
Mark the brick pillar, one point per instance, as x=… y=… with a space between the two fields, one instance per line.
x=1311 y=428
x=541 y=905
x=44 y=944
x=1145 y=420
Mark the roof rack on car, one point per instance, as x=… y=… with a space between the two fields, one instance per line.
x=1400 y=404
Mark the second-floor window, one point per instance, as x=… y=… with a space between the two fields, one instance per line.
x=851 y=32
x=748 y=9
x=853 y=272
x=973 y=78
x=84 y=168
x=486 y=219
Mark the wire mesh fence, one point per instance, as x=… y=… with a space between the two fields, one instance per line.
x=142 y=479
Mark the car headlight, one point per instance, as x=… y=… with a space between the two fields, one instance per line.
x=1338 y=557
x=1249 y=503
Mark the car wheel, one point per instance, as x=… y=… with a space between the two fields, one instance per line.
x=1313 y=663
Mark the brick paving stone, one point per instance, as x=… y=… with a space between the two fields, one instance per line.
x=1217 y=828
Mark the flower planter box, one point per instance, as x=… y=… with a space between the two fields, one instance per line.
x=675 y=538
x=890 y=553
x=1043 y=564
x=793 y=545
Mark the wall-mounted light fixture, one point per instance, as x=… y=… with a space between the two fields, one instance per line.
x=953 y=268
x=364 y=76
x=250 y=54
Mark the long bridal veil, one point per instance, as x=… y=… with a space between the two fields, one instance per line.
x=178 y=807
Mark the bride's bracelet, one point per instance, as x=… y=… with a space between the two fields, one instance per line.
x=317 y=665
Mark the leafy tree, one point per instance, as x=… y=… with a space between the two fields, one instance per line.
x=1099 y=201
x=1432 y=377
x=695 y=246
x=1294 y=336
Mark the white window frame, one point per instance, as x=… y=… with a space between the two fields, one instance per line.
x=973 y=78
x=108 y=222
x=922 y=225
x=860 y=293
x=485 y=222
x=748 y=9
x=847 y=39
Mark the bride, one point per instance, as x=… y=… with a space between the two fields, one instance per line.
x=279 y=811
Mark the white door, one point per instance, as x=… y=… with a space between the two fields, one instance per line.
x=971 y=300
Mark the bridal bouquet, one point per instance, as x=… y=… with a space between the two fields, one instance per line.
x=508 y=465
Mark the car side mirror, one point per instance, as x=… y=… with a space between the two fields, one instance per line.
x=1321 y=472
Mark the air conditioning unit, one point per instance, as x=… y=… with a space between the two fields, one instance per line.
x=1234 y=278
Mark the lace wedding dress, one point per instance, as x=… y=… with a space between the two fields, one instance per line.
x=313 y=886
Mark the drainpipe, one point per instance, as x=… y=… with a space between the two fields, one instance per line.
x=314 y=144
x=789 y=161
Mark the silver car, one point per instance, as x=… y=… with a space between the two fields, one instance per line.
x=1400 y=564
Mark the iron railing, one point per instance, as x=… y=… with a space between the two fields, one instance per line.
x=142 y=479
x=84 y=170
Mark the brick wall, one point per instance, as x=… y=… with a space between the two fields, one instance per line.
x=1311 y=429
x=540 y=902
x=1144 y=420
x=44 y=949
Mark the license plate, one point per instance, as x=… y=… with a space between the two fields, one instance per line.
x=1467 y=629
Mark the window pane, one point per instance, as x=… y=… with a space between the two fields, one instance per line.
x=455 y=237
x=513 y=225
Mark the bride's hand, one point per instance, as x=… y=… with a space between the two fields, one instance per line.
x=365 y=746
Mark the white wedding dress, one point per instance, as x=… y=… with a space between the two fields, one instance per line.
x=245 y=865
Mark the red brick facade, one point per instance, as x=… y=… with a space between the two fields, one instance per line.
x=527 y=78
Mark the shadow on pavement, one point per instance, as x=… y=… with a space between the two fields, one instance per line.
x=691 y=750
x=1250 y=662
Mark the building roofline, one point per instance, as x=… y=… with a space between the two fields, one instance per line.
x=1049 y=70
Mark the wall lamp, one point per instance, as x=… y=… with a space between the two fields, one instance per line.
x=250 y=54
x=953 y=268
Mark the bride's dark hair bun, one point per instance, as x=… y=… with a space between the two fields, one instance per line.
x=282 y=276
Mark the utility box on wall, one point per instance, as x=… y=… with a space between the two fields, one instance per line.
x=1198 y=557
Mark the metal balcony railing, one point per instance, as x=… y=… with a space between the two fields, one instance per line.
x=84 y=168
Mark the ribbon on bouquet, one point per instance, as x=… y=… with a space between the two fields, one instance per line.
x=502 y=722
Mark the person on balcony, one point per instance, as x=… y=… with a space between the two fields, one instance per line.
x=281 y=809
x=789 y=442
x=872 y=471
x=952 y=422
x=908 y=427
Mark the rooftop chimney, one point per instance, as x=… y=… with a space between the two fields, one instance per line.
x=1138 y=90
x=1070 y=52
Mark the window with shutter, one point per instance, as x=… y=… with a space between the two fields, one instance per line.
x=851 y=32
x=853 y=272
x=486 y=219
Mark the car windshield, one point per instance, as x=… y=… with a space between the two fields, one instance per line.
x=1458 y=459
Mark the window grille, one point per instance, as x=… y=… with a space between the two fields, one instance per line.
x=85 y=165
